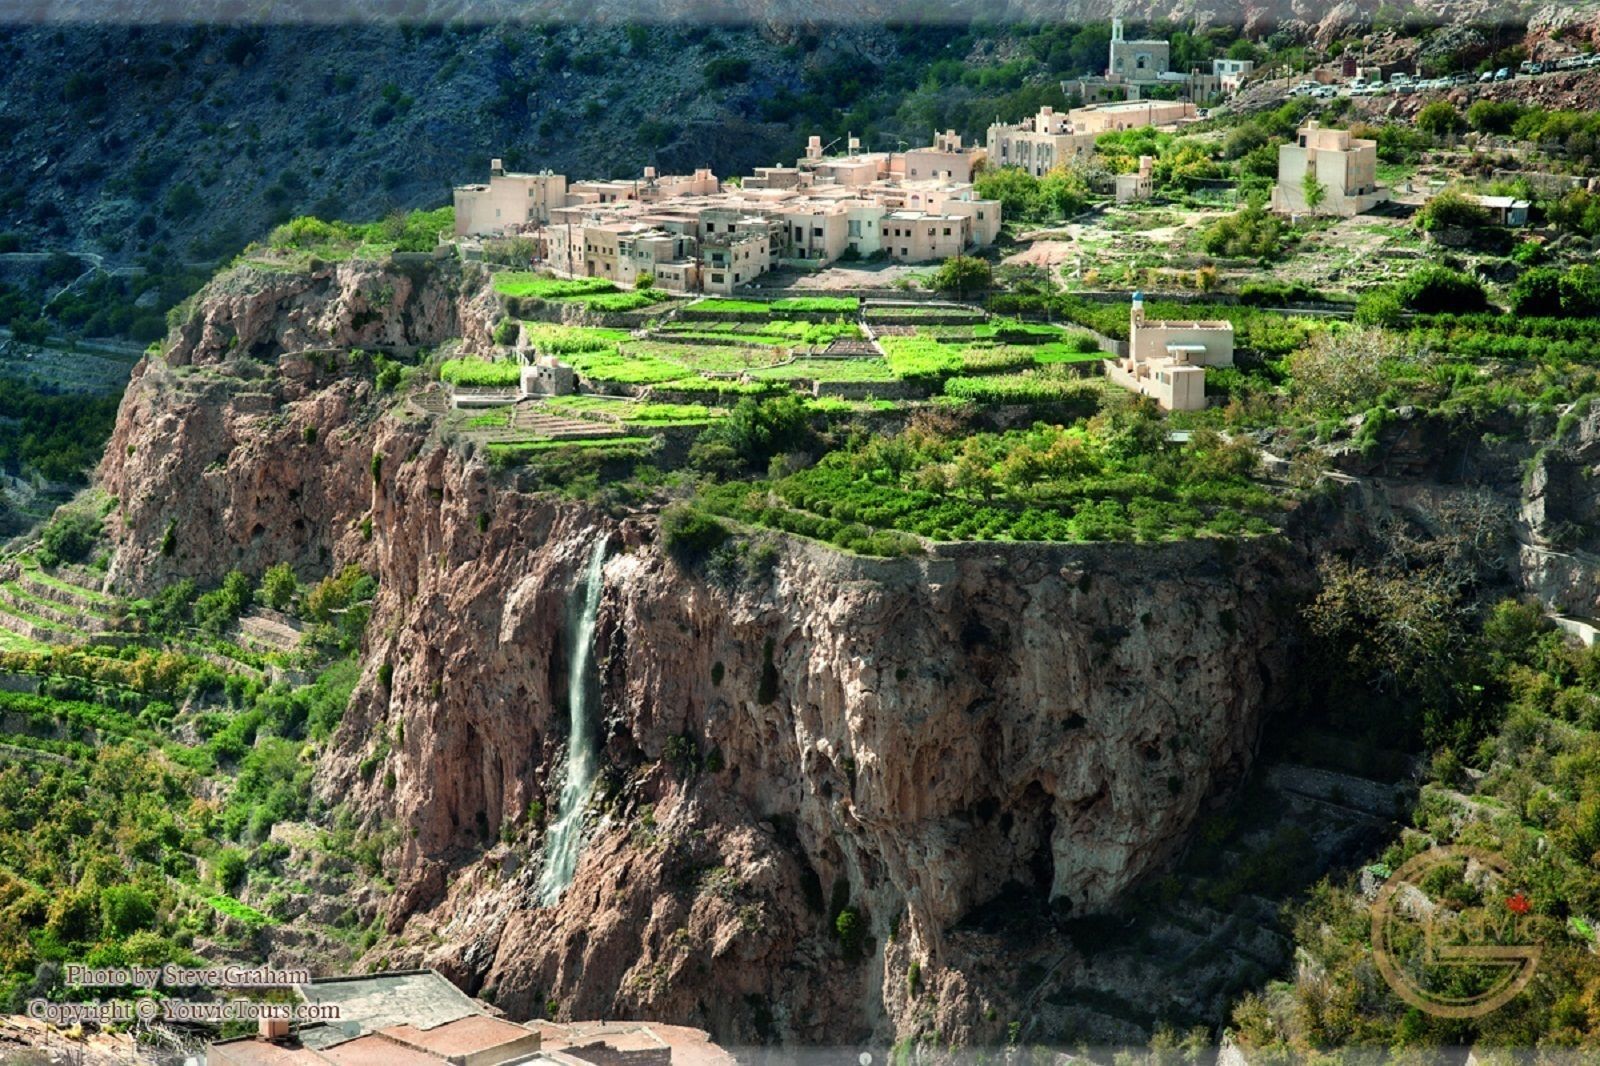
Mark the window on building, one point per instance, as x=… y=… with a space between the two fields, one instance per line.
x=816 y=231
x=905 y=253
x=947 y=231
x=980 y=216
x=716 y=279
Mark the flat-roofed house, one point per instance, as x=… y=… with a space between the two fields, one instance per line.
x=1345 y=167
x=1039 y=144
x=508 y=202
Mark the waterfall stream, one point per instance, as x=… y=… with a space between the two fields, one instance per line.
x=566 y=837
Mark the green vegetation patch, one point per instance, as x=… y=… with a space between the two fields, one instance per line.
x=521 y=283
x=480 y=373
x=1116 y=477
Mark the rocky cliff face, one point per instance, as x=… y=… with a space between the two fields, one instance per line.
x=250 y=439
x=917 y=742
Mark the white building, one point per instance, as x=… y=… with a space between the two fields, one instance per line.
x=1345 y=167
x=1166 y=360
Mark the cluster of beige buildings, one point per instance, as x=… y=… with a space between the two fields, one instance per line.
x=1166 y=360
x=1345 y=167
x=694 y=233
x=1050 y=139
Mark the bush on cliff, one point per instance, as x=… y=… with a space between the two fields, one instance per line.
x=68 y=538
x=690 y=534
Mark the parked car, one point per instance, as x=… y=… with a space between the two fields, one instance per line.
x=1463 y=78
x=1486 y=76
x=1503 y=74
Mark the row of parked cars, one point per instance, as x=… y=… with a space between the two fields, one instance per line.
x=1551 y=66
x=1404 y=84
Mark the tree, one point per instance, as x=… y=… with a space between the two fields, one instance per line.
x=1344 y=371
x=68 y=538
x=1452 y=209
x=1538 y=292
x=1493 y=116
x=1315 y=192
x=963 y=274
x=278 y=586
x=125 y=909
x=1440 y=119
x=1438 y=290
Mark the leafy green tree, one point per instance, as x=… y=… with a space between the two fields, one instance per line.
x=963 y=275
x=125 y=909
x=1580 y=291
x=68 y=538
x=1438 y=290
x=1537 y=292
x=1316 y=193
x=1440 y=119
x=218 y=609
x=1452 y=209
x=1493 y=116
x=756 y=430
x=278 y=586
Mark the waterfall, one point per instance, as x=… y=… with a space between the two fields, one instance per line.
x=561 y=847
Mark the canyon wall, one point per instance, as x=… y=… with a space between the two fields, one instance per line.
x=791 y=734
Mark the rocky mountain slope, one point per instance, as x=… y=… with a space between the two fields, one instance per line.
x=910 y=741
x=178 y=129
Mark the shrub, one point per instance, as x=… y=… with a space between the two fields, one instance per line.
x=1252 y=233
x=278 y=586
x=1440 y=290
x=851 y=931
x=758 y=429
x=228 y=869
x=125 y=909
x=1493 y=116
x=68 y=538
x=505 y=332
x=217 y=610
x=1538 y=292
x=963 y=274
x=690 y=534
x=725 y=71
x=1452 y=209
x=1440 y=119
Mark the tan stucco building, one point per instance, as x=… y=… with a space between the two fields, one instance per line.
x=1166 y=360
x=1039 y=144
x=1346 y=167
x=508 y=202
x=1096 y=119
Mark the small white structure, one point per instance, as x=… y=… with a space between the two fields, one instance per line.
x=1166 y=361
x=1140 y=185
x=1503 y=210
x=547 y=376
